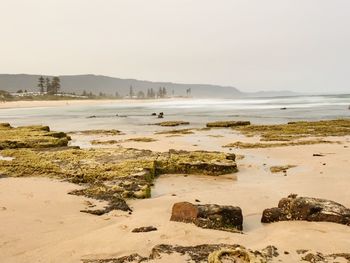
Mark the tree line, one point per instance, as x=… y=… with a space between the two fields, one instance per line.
x=50 y=86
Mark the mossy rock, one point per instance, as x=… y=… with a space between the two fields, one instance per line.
x=177 y=132
x=31 y=137
x=297 y=130
x=112 y=174
x=172 y=123
x=226 y=124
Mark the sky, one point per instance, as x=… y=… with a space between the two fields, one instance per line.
x=299 y=45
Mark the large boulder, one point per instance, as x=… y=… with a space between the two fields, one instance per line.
x=221 y=217
x=308 y=209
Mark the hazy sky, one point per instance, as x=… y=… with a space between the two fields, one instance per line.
x=301 y=45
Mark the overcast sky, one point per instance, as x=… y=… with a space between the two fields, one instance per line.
x=301 y=45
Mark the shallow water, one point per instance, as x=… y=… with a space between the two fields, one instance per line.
x=133 y=117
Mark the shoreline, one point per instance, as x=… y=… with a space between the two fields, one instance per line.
x=61 y=103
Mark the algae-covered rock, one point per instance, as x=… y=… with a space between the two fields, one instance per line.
x=247 y=145
x=172 y=123
x=227 y=218
x=308 y=209
x=213 y=253
x=111 y=175
x=281 y=168
x=219 y=253
x=141 y=139
x=111 y=132
x=177 y=132
x=297 y=130
x=195 y=162
x=30 y=137
x=226 y=124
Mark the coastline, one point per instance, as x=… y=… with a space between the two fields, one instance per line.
x=61 y=103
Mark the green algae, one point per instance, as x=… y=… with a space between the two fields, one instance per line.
x=30 y=137
x=172 y=123
x=141 y=139
x=195 y=162
x=297 y=130
x=99 y=142
x=111 y=132
x=177 y=132
x=282 y=168
x=246 y=145
x=111 y=142
x=114 y=174
x=226 y=124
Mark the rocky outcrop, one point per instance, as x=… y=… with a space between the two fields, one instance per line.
x=308 y=209
x=219 y=253
x=226 y=124
x=212 y=253
x=111 y=175
x=195 y=162
x=227 y=218
x=30 y=137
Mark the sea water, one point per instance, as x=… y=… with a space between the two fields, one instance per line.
x=136 y=116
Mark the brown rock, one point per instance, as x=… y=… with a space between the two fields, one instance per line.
x=227 y=218
x=308 y=209
x=144 y=229
x=184 y=212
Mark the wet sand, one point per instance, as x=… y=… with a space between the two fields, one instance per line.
x=40 y=222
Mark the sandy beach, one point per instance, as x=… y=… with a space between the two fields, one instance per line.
x=42 y=223
x=60 y=103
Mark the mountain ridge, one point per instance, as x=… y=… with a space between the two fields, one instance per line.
x=110 y=85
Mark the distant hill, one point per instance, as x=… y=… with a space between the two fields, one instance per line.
x=109 y=85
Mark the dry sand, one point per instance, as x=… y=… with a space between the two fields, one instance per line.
x=41 y=223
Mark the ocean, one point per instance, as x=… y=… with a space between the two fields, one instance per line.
x=136 y=116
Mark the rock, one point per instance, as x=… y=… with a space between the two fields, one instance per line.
x=172 y=123
x=34 y=136
x=271 y=251
x=154 y=114
x=227 y=218
x=195 y=162
x=284 y=108
x=184 y=212
x=313 y=258
x=161 y=115
x=212 y=253
x=308 y=209
x=144 y=229
x=225 y=124
x=318 y=154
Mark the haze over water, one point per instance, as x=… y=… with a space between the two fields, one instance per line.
x=133 y=116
